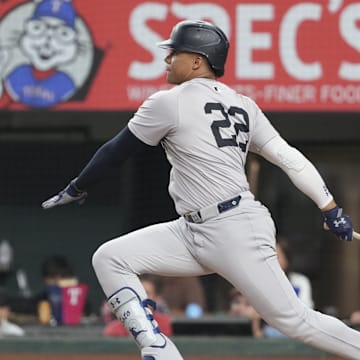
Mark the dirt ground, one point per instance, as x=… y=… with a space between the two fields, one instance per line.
x=27 y=356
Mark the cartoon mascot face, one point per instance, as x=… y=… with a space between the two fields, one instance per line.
x=50 y=38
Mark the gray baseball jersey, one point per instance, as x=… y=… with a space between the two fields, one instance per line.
x=207 y=154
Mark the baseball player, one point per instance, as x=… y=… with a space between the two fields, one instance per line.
x=207 y=130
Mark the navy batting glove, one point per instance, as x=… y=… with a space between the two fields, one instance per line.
x=339 y=223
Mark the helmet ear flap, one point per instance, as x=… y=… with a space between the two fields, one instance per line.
x=202 y=38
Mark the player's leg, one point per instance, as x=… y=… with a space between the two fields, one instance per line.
x=137 y=317
x=241 y=248
x=158 y=249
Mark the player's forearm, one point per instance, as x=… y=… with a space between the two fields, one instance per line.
x=300 y=170
x=309 y=181
x=112 y=153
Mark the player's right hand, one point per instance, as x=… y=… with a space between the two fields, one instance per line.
x=70 y=194
x=339 y=223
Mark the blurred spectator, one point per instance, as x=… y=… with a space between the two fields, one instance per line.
x=56 y=269
x=152 y=287
x=59 y=301
x=6 y=260
x=239 y=306
x=14 y=278
x=184 y=296
x=64 y=293
x=300 y=282
x=7 y=328
x=63 y=299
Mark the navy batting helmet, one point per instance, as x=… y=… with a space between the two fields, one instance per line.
x=202 y=38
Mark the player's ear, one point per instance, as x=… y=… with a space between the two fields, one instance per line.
x=197 y=62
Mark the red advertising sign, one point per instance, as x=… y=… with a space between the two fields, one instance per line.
x=102 y=55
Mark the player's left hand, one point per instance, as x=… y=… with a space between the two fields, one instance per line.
x=70 y=194
x=339 y=223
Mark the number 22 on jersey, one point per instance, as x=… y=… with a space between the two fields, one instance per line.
x=225 y=122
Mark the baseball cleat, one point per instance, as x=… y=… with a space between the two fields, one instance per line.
x=168 y=352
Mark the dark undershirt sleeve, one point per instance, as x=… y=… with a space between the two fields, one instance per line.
x=112 y=153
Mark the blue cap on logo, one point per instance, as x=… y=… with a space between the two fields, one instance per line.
x=61 y=9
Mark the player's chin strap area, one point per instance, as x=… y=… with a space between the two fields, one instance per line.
x=137 y=317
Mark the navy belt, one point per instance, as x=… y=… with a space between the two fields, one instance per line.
x=211 y=211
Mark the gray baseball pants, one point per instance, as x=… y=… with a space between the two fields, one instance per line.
x=239 y=245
